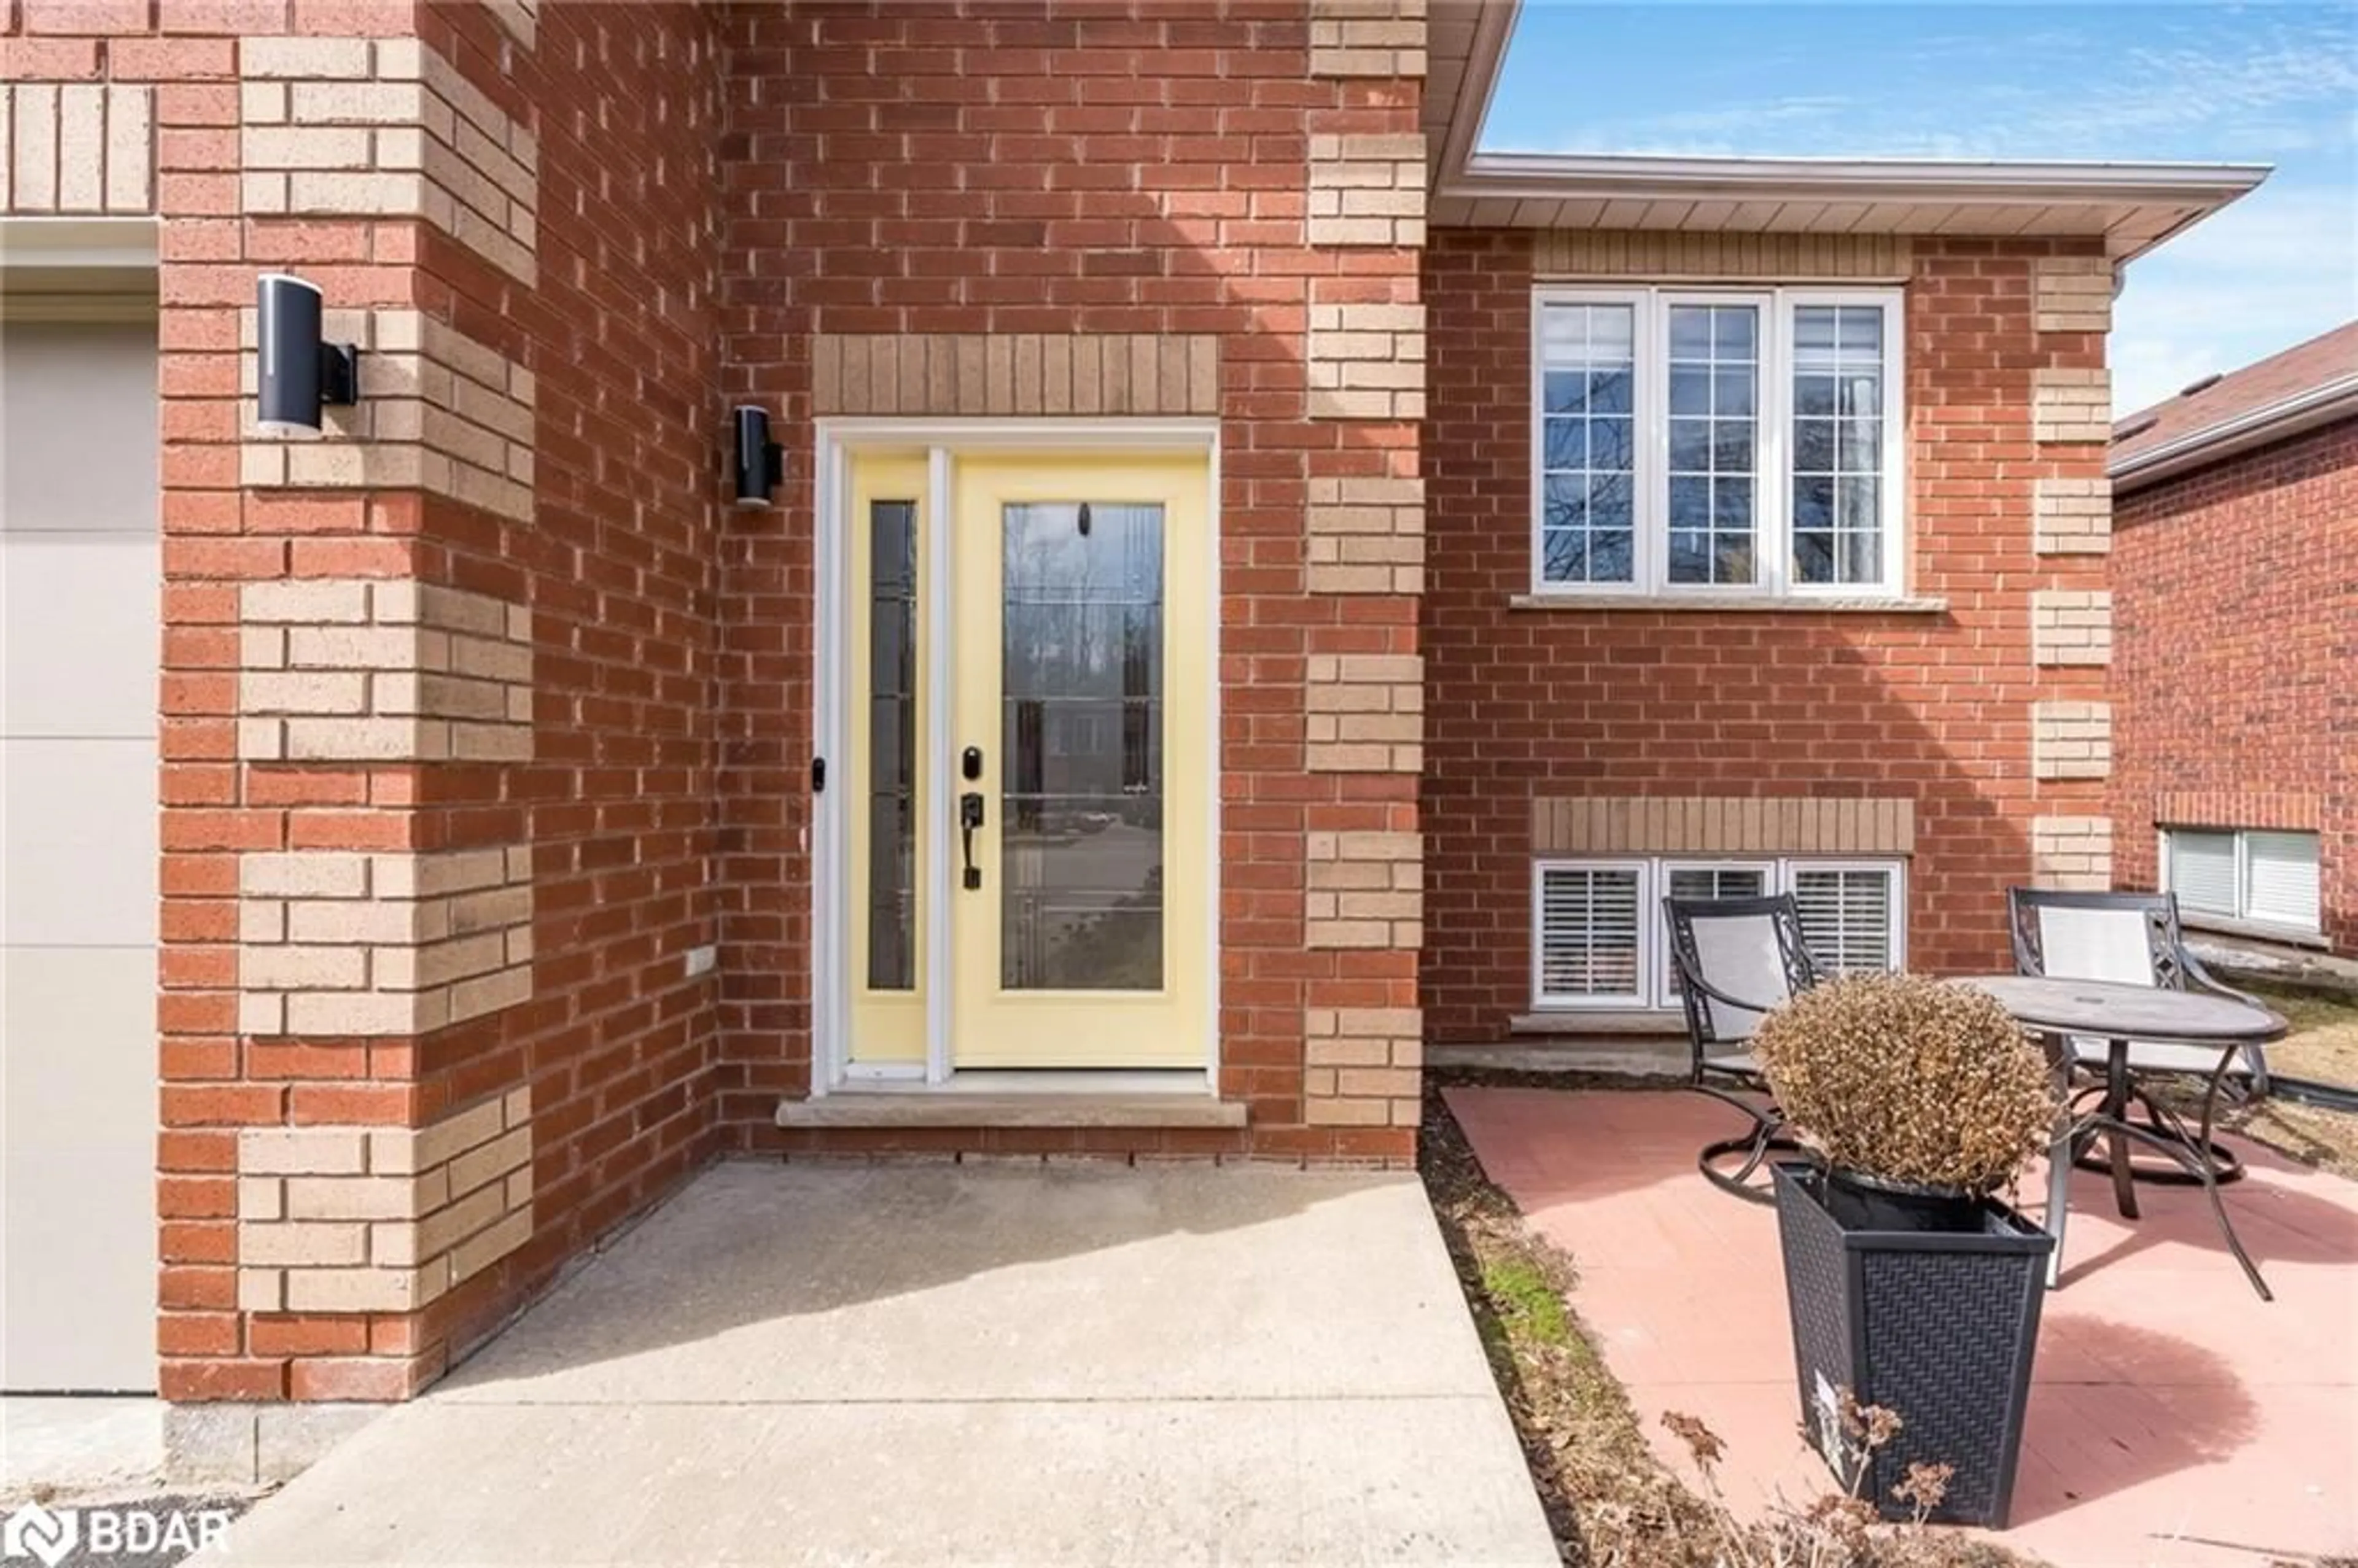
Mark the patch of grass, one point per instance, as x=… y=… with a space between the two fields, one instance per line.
x=1525 y=1302
x=2322 y=1046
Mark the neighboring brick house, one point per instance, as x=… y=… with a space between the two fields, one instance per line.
x=2234 y=588
x=536 y=826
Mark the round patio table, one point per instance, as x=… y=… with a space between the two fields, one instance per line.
x=2119 y=1015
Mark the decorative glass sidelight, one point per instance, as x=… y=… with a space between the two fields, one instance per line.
x=1081 y=901
x=892 y=801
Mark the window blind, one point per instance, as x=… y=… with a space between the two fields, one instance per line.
x=2280 y=880
x=1846 y=917
x=2202 y=872
x=1588 y=932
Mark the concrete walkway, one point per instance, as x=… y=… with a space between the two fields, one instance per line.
x=938 y=1364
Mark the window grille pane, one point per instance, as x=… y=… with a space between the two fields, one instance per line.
x=1588 y=932
x=2281 y=880
x=1839 y=397
x=1846 y=918
x=1714 y=441
x=1588 y=448
x=2201 y=872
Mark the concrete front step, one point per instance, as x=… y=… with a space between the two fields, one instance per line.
x=966 y=1110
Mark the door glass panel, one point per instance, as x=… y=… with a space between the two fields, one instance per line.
x=892 y=746
x=1081 y=696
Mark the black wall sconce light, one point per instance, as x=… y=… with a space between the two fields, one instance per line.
x=300 y=373
x=761 y=462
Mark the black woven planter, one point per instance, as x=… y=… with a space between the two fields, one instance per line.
x=1938 y=1329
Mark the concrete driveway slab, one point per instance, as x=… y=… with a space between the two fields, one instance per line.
x=938 y=1364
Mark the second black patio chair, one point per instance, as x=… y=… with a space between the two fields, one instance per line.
x=1736 y=958
x=2134 y=938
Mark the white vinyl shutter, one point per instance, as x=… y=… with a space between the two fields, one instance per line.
x=2280 y=880
x=1846 y=917
x=1587 y=940
x=2202 y=872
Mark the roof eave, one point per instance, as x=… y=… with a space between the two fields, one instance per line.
x=2287 y=416
x=1615 y=175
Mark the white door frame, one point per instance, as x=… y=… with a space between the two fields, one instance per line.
x=834 y=442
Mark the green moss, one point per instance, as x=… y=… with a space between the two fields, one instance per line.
x=1527 y=1305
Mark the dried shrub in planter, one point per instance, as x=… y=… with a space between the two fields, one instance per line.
x=1902 y=1079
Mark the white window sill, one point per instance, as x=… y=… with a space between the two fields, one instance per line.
x=2258 y=930
x=1734 y=603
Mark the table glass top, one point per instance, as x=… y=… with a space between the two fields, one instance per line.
x=2141 y=1012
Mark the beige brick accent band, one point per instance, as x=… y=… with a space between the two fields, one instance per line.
x=1367 y=38
x=1669 y=255
x=438 y=412
x=1367 y=190
x=2238 y=808
x=2073 y=516
x=77 y=147
x=1363 y=1067
x=2071 y=405
x=2072 y=852
x=1366 y=536
x=347 y=670
x=1365 y=890
x=1015 y=373
x=2071 y=740
x=385 y=127
x=1367 y=361
x=377 y=1218
x=2072 y=626
x=2072 y=293
x=1722 y=826
x=340 y=942
x=1365 y=713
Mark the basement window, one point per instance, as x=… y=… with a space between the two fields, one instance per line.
x=1598 y=938
x=2253 y=877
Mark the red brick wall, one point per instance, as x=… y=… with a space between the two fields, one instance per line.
x=620 y=567
x=905 y=168
x=2235 y=655
x=1531 y=703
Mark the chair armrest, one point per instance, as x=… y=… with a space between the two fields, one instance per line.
x=2203 y=979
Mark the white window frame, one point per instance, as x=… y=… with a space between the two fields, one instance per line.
x=1619 y=1002
x=1772 y=469
x=1654 y=962
x=2242 y=919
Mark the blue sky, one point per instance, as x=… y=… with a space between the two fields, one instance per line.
x=2143 y=81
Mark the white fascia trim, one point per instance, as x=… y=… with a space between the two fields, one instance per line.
x=1575 y=176
x=2287 y=417
x=1494 y=29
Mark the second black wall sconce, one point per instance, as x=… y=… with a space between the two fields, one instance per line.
x=761 y=462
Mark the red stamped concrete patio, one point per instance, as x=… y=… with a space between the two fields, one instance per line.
x=2175 y=1418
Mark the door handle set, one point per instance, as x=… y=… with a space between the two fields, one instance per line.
x=970 y=818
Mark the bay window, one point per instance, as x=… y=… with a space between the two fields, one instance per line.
x=1717 y=442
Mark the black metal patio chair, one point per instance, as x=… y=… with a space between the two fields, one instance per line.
x=1736 y=958
x=2134 y=938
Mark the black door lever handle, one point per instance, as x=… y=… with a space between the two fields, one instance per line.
x=970 y=818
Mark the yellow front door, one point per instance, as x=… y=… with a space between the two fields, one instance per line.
x=1073 y=774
